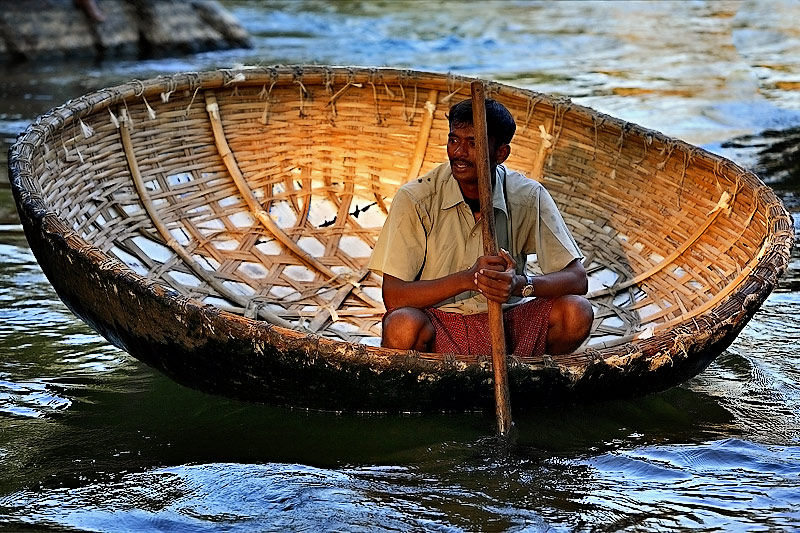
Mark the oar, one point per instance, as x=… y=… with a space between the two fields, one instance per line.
x=501 y=395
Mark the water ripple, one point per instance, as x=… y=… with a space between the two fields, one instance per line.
x=230 y=496
x=729 y=484
x=30 y=399
x=726 y=485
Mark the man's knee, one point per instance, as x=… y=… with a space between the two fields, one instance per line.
x=407 y=328
x=572 y=317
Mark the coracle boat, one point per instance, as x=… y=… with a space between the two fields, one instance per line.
x=217 y=226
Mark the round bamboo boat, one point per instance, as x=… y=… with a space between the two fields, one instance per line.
x=217 y=226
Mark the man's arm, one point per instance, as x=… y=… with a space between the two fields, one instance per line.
x=427 y=293
x=499 y=285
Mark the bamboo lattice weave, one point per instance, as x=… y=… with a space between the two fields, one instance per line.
x=263 y=191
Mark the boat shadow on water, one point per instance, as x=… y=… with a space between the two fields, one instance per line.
x=264 y=467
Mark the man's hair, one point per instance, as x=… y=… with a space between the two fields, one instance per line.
x=500 y=124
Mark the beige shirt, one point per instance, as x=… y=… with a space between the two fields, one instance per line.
x=430 y=232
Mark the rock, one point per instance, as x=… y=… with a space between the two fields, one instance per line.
x=55 y=30
x=776 y=156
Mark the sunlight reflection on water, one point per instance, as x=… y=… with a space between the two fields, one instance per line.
x=665 y=486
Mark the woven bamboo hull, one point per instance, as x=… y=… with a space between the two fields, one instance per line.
x=217 y=226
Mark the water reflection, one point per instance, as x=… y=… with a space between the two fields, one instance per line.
x=105 y=426
x=726 y=485
x=31 y=399
x=719 y=485
x=268 y=497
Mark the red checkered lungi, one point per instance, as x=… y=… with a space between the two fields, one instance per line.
x=525 y=329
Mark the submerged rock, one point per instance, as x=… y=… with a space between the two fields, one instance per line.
x=776 y=157
x=54 y=30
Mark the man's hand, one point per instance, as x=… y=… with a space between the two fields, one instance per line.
x=495 y=276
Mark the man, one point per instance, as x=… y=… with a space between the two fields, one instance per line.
x=436 y=280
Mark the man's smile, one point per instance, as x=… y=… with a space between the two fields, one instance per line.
x=461 y=164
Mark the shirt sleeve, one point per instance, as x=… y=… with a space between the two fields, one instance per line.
x=554 y=244
x=400 y=249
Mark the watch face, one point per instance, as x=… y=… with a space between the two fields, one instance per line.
x=527 y=290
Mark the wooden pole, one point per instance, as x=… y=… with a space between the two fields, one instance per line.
x=501 y=394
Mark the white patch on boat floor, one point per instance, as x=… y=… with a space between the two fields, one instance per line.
x=343 y=327
x=185 y=279
x=208 y=263
x=177 y=179
x=225 y=244
x=211 y=224
x=270 y=247
x=298 y=273
x=152 y=185
x=371 y=216
x=283 y=214
x=133 y=262
x=322 y=212
x=180 y=236
x=199 y=210
x=355 y=247
x=376 y=293
x=132 y=209
x=613 y=322
x=242 y=219
x=220 y=303
x=155 y=251
x=312 y=246
x=647 y=311
x=253 y=270
x=281 y=291
x=229 y=201
x=240 y=288
x=623 y=299
x=602 y=279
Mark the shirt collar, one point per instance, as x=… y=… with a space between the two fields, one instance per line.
x=451 y=193
x=499 y=193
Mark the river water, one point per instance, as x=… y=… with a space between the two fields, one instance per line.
x=93 y=440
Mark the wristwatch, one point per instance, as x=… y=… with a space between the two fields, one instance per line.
x=527 y=290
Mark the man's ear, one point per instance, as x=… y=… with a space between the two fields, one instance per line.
x=501 y=153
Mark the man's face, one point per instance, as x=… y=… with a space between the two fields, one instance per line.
x=462 y=155
x=461 y=152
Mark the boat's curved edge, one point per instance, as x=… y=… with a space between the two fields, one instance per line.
x=269 y=352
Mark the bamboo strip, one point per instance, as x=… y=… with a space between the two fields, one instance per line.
x=545 y=147
x=167 y=236
x=730 y=288
x=332 y=310
x=423 y=135
x=262 y=216
x=667 y=260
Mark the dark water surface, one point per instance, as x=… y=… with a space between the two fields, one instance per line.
x=91 y=439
